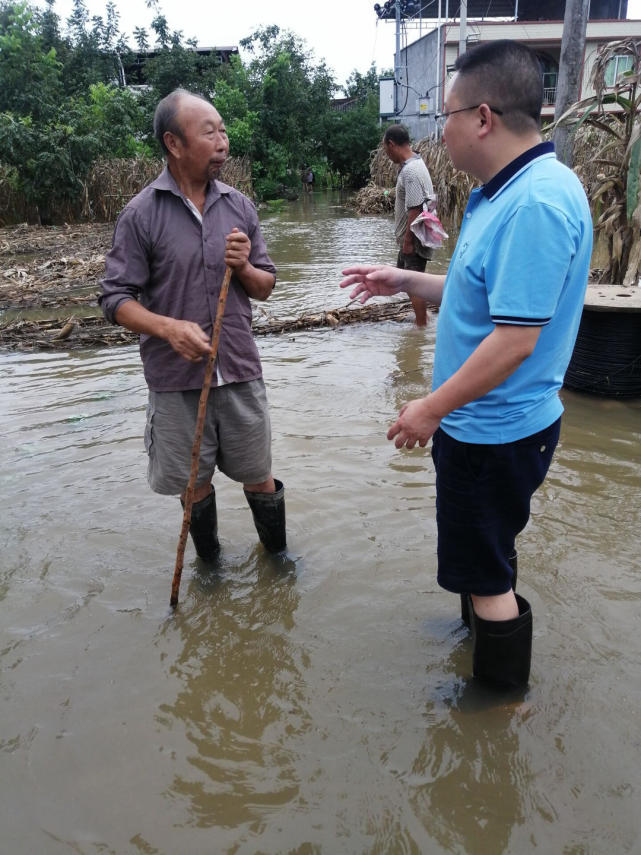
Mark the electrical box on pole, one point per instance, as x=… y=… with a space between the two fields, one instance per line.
x=386 y=97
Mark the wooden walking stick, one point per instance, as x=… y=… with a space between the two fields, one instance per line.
x=198 y=435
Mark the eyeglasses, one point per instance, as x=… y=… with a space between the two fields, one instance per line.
x=441 y=118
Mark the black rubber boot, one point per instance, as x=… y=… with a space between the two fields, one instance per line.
x=268 y=510
x=465 y=610
x=503 y=648
x=203 y=527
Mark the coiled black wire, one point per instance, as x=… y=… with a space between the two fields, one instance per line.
x=607 y=355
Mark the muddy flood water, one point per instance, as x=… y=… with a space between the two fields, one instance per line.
x=322 y=705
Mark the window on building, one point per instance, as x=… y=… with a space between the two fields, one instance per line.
x=550 y=69
x=616 y=68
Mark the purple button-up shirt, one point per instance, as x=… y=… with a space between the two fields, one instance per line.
x=163 y=257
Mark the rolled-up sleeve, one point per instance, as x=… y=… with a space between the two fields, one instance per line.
x=126 y=265
x=258 y=256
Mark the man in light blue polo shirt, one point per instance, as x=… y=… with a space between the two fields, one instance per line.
x=510 y=309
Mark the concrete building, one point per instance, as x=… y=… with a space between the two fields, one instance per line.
x=427 y=63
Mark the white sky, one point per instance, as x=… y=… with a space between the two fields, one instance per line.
x=345 y=33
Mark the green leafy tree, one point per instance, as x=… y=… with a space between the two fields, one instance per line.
x=173 y=66
x=95 y=49
x=290 y=95
x=177 y=62
x=141 y=38
x=45 y=158
x=113 y=119
x=242 y=124
x=64 y=101
x=350 y=136
x=362 y=86
x=29 y=70
x=52 y=133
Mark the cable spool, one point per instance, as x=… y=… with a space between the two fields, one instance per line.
x=607 y=355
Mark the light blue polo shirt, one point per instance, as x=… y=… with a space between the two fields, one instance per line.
x=522 y=257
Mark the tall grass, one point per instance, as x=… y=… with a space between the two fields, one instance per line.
x=106 y=190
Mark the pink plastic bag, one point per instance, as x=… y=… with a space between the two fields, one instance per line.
x=428 y=229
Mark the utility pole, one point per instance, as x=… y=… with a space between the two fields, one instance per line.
x=397 y=60
x=438 y=96
x=462 y=30
x=575 y=25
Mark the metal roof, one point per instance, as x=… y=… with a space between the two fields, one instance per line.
x=520 y=10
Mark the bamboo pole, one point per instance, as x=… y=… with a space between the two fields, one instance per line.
x=198 y=435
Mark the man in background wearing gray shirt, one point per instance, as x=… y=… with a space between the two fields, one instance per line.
x=413 y=188
x=163 y=277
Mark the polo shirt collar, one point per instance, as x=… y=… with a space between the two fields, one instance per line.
x=166 y=181
x=501 y=178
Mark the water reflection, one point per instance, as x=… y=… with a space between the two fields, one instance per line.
x=325 y=711
x=414 y=353
x=476 y=781
x=242 y=697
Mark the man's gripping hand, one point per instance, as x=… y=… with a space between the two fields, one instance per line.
x=237 y=249
x=188 y=340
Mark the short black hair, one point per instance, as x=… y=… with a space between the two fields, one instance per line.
x=166 y=112
x=507 y=75
x=398 y=134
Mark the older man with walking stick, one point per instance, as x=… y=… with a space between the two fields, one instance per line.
x=172 y=244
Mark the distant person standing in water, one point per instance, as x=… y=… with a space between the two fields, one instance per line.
x=510 y=310
x=413 y=188
x=309 y=180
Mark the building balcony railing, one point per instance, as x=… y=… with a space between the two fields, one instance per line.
x=549 y=95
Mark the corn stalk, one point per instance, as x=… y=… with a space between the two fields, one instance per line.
x=614 y=194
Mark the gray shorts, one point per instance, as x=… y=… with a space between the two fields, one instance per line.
x=236 y=436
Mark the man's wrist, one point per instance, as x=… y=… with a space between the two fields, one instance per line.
x=165 y=327
x=433 y=407
x=243 y=270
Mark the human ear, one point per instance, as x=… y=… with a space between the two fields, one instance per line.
x=171 y=143
x=485 y=118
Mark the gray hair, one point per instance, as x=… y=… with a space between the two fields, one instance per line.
x=165 y=117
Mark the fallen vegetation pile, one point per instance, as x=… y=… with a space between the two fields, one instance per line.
x=93 y=331
x=50 y=281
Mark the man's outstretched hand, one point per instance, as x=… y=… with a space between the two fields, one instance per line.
x=372 y=280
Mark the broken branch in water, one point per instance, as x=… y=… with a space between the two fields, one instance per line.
x=94 y=331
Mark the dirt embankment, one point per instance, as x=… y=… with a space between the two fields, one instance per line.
x=50 y=281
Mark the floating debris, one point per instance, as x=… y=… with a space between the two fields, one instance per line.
x=55 y=271
x=94 y=331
